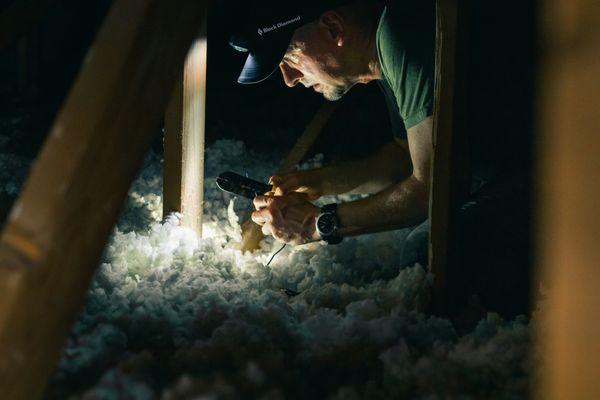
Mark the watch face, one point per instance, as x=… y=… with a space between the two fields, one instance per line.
x=326 y=224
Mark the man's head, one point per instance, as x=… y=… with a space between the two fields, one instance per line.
x=315 y=55
x=330 y=53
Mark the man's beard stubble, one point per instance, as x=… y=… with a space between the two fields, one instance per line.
x=334 y=93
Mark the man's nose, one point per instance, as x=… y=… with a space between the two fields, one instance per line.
x=291 y=76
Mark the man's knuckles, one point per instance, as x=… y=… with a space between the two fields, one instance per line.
x=262 y=201
x=257 y=218
x=263 y=215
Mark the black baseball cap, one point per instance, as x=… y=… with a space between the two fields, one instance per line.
x=264 y=30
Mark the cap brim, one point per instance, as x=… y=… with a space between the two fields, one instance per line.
x=262 y=63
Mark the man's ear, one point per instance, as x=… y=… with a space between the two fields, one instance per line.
x=333 y=23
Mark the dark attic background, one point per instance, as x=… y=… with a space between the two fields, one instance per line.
x=37 y=71
x=170 y=319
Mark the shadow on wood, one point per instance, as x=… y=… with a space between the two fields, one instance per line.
x=448 y=178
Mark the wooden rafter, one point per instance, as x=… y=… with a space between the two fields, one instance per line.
x=55 y=234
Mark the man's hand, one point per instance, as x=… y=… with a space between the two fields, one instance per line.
x=309 y=182
x=289 y=218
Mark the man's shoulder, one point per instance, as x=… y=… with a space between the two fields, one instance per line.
x=406 y=48
x=406 y=27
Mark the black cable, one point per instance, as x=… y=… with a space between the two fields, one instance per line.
x=277 y=252
x=288 y=292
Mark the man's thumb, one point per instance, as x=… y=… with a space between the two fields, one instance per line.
x=275 y=180
x=285 y=184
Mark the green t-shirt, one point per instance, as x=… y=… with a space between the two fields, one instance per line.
x=406 y=48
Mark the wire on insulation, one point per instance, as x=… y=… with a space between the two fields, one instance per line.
x=277 y=252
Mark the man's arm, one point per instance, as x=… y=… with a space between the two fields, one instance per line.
x=291 y=218
x=399 y=205
x=388 y=165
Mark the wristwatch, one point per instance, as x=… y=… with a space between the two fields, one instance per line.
x=327 y=223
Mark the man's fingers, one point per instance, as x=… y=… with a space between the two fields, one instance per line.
x=266 y=229
x=283 y=184
x=262 y=216
x=300 y=182
x=262 y=201
x=275 y=180
x=257 y=218
x=287 y=186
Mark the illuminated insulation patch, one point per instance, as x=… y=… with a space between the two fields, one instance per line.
x=172 y=317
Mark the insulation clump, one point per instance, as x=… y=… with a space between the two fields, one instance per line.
x=171 y=316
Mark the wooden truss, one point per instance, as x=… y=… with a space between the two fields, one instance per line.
x=54 y=236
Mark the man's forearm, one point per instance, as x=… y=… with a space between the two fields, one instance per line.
x=398 y=206
x=387 y=166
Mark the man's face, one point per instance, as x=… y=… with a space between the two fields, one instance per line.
x=313 y=59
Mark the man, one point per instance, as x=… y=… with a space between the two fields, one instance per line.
x=330 y=51
x=330 y=48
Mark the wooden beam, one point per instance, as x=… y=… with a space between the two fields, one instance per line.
x=19 y=18
x=448 y=178
x=184 y=142
x=251 y=233
x=55 y=234
x=568 y=173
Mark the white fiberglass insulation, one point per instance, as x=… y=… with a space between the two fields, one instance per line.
x=172 y=317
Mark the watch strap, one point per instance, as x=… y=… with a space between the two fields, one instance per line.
x=331 y=208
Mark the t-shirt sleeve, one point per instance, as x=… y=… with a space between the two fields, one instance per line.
x=397 y=124
x=405 y=42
